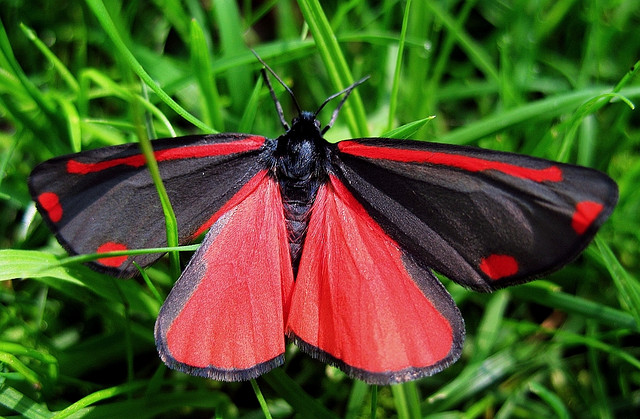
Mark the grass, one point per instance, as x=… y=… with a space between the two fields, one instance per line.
x=550 y=79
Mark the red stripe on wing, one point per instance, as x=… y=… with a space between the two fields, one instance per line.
x=472 y=164
x=177 y=153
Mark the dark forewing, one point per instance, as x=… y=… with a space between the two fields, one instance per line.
x=485 y=219
x=104 y=199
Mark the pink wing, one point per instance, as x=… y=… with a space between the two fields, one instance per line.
x=225 y=317
x=364 y=305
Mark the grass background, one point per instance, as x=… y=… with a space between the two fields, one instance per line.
x=554 y=79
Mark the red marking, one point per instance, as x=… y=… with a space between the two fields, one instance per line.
x=353 y=297
x=585 y=214
x=241 y=280
x=114 y=261
x=50 y=202
x=176 y=153
x=499 y=266
x=247 y=189
x=472 y=164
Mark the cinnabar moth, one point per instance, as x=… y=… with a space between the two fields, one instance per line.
x=332 y=245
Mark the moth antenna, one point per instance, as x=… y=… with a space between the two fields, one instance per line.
x=346 y=93
x=275 y=100
x=273 y=94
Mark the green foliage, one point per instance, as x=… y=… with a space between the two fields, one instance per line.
x=551 y=79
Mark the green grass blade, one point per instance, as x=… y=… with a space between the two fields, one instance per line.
x=64 y=72
x=336 y=64
x=551 y=399
x=551 y=297
x=408 y=130
x=251 y=110
x=21 y=404
x=475 y=51
x=490 y=326
x=231 y=31
x=204 y=74
x=295 y=395
x=31 y=264
x=357 y=398
x=396 y=73
x=407 y=400
x=100 y=11
x=171 y=221
x=96 y=397
x=628 y=286
x=544 y=108
x=261 y=400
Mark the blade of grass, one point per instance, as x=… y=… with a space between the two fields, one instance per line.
x=98 y=396
x=100 y=11
x=170 y=219
x=490 y=326
x=21 y=403
x=74 y=127
x=159 y=405
x=9 y=62
x=230 y=30
x=551 y=399
x=569 y=340
x=201 y=65
x=393 y=100
x=588 y=108
x=628 y=287
x=336 y=65
x=290 y=391
x=444 y=55
x=64 y=72
x=113 y=88
x=475 y=51
x=261 y=400
x=407 y=130
x=250 y=111
x=541 y=294
x=12 y=363
x=51 y=361
x=374 y=402
x=357 y=396
x=407 y=400
x=545 y=108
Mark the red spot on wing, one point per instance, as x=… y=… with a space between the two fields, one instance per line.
x=240 y=282
x=50 y=202
x=471 y=164
x=499 y=266
x=114 y=261
x=585 y=214
x=354 y=298
x=177 y=153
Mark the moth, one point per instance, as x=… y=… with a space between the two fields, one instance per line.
x=331 y=245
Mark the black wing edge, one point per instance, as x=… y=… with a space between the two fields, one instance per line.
x=380 y=378
x=218 y=374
